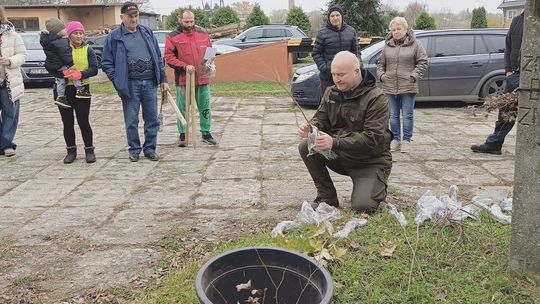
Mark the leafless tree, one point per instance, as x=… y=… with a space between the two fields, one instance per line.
x=413 y=10
x=242 y=8
x=278 y=16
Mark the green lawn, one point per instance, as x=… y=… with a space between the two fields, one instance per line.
x=235 y=89
x=460 y=263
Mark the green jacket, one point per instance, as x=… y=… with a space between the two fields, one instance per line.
x=358 y=122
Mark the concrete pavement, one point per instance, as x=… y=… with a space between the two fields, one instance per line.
x=67 y=229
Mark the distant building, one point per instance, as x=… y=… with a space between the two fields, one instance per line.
x=511 y=8
x=94 y=14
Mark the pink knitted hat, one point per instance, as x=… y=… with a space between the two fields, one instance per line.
x=73 y=26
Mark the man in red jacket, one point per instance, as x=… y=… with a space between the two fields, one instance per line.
x=184 y=51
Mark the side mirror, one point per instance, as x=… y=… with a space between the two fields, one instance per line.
x=243 y=39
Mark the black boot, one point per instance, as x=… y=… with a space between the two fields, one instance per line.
x=71 y=155
x=90 y=156
x=487 y=148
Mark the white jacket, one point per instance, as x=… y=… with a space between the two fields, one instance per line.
x=13 y=48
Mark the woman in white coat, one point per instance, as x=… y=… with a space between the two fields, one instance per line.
x=12 y=56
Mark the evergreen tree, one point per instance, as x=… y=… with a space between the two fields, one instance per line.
x=479 y=18
x=425 y=22
x=296 y=16
x=224 y=16
x=256 y=17
x=363 y=15
x=201 y=19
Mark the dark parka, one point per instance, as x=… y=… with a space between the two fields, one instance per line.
x=512 y=52
x=358 y=122
x=402 y=64
x=58 y=53
x=330 y=41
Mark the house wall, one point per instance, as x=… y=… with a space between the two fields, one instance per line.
x=93 y=18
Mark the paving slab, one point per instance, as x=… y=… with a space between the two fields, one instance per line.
x=69 y=229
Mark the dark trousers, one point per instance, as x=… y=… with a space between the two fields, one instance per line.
x=325 y=84
x=502 y=127
x=369 y=184
x=81 y=109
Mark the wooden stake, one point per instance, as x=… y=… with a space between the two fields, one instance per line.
x=187 y=101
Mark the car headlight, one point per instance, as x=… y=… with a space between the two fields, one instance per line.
x=305 y=76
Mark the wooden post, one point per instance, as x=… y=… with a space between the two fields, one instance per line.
x=187 y=101
x=193 y=103
x=525 y=238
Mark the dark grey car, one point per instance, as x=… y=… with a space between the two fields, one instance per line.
x=464 y=65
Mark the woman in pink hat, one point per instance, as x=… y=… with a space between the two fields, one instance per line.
x=85 y=62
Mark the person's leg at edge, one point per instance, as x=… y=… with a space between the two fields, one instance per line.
x=369 y=188
x=317 y=166
x=10 y=119
x=131 y=109
x=202 y=95
x=149 y=114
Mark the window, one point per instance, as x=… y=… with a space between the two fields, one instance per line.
x=26 y=24
x=160 y=37
x=424 y=42
x=495 y=43
x=289 y=33
x=454 y=45
x=273 y=33
x=511 y=14
x=31 y=41
x=254 y=34
x=479 y=46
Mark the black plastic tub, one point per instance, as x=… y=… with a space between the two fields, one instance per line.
x=274 y=273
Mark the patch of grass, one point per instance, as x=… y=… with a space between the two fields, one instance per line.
x=465 y=263
x=233 y=89
x=250 y=89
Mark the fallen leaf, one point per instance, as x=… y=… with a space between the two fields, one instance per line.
x=388 y=252
x=243 y=286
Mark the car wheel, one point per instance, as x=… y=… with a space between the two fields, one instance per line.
x=494 y=86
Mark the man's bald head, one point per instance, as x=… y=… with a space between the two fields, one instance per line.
x=346 y=71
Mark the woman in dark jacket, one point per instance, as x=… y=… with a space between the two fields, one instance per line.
x=85 y=61
x=337 y=36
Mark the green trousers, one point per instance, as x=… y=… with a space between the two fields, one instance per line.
x=202 y=95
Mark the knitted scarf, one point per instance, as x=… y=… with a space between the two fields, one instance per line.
x=6 y=27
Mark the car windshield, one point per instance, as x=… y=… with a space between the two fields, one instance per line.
x=31 y=42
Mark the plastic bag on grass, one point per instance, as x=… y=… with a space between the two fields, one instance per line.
x=506 y=204
x=324 y=212
x=353 y=223
x=283 y=227
x=428 y=207
x=399 y=215
x=494 y=210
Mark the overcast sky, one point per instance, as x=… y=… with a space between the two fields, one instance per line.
x=165 y=6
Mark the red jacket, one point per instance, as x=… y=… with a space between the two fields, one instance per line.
x=182 y=49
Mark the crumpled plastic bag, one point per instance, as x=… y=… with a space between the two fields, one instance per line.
x=348 y=228
x=328 y=154
x=322 y=215
x=494 y=210
x=398 y=214
x=429 y=207
x=283 y=227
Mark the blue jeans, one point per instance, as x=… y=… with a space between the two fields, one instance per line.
x=502 y=128
x=398 y=104
x=9 y=119
x=143 y=94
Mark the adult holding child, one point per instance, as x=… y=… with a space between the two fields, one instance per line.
x=12 y=56
x=85 y=63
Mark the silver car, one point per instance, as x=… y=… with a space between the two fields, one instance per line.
x=464 y=65
x=33 y=70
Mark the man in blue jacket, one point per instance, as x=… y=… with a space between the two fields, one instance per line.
x=132 y=61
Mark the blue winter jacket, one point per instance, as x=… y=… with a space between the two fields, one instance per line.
x=114 y=60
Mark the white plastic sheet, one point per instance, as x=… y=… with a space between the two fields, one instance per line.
x=324 y=214
x=506 y=204
x=494 y=210
x=429 y=207
x=329 y=154
x=398 y=214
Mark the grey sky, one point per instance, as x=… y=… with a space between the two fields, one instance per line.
x=165 y=6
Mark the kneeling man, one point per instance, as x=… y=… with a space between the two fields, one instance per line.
x=353 y=123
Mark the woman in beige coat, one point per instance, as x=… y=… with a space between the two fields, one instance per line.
x=12 y=56
x=401 y=65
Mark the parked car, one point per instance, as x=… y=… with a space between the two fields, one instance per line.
x=97 y=43
x=264 y=34
x=464 y=65
x=33 y=70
